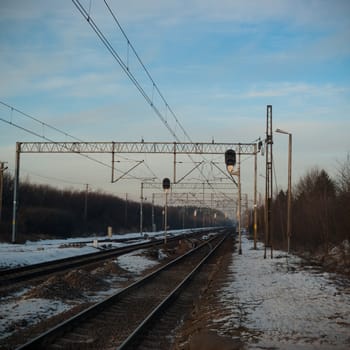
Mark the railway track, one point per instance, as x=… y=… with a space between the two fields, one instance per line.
x=25 y=273
x=122 y=319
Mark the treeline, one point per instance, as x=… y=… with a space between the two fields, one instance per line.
x=320 y=211
x=46 y=211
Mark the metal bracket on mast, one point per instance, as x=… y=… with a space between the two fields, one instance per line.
x=126 y=173
x=229 y=177
x=190 y=172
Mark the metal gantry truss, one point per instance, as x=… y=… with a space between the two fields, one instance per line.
x=196 y=199
x=136 y=147
x=174 y=148
x=191 y=185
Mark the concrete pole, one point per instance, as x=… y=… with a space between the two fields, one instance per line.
x=153 y=224
x=126 y=211
x=289 y=198
x=2 y=168
x=255 y=196
x=141 y=210
x=289 y=207
x=166 y=217
x=174 y=180
x=86 y=201
x=239 y=202
x=15 y=192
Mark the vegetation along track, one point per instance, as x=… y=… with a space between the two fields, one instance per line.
x=121 y=318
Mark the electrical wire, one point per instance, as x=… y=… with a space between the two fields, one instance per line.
x=155 y=86
x=34 y=133
x=126 y=69
x=48 y=177
x=38 y=121
x=149 y=99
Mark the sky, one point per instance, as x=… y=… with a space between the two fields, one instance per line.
x=217 y=65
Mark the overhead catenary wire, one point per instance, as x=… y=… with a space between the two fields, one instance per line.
x=155 y=86
x=125 y=68
x=29 y=172
x=42 y=136
x=48 y=139
x=44 y=124
x=86 y=13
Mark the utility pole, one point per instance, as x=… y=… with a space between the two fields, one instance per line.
x=268 y=183
x=2 y=169
x=86 y=201
x=203 y=211
x=15 y=192
x=255 y=195
x=239 y=204
x=153 y=223
x=141 y=209
x=289 y=207
x=126 y=211
x=183 y=216
x=289 y=213
x=246 y=212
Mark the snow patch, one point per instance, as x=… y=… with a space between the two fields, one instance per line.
x=135 y=262
x=283 y=303
x=23 y=313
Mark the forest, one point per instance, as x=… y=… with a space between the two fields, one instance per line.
x=320 y=211
x=47 y=212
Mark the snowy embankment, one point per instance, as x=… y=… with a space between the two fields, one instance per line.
x=13 y=255
x=283 y=303
x=337 y=258
x=33 y=304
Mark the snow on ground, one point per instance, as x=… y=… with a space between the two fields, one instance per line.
x=24 y=313
x=135 y=262
x=12 y=255
x=18 y=312
x=283 y=304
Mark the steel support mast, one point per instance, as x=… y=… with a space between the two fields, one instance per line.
x=268 y=183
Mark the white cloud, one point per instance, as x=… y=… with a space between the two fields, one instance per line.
x=289 y=88
x=221 y=94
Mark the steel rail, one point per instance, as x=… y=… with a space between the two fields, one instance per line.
x=24 y=273
x=44 y=340
x=148 y=322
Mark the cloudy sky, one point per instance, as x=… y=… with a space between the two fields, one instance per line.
x=217 y=63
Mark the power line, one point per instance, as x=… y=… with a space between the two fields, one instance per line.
x=155 y=86
x=125 y=66
x=37 y=121
x=147 y=72
x=48 y=139
x=34 y=133
x=49 y=177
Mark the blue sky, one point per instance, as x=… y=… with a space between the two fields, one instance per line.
x=218 y=64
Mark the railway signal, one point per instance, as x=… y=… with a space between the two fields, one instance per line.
x=230 y=161
x=166 y=188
